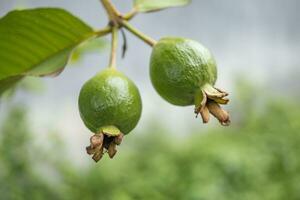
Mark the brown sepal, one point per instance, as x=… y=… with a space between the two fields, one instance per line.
x=101 y=143
x=212 y=97
x=222 y=115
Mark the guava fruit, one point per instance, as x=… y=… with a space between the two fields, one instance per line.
x=184 y=73
x=110 y=106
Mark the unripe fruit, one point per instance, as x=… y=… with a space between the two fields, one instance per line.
x=184 y=72
x=110 y=106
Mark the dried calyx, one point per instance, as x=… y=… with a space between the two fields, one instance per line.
x=102 y=142
x=208 y=100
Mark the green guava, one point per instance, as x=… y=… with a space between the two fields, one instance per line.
x=110 y=106
x=184 y=73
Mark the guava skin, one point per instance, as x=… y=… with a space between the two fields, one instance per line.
x=184 y=73
x=110 y=99
x=179 y=67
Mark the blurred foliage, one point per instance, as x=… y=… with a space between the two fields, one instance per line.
x=17 y=177
x=26 y=84
x=255 y=159
x=90 y=46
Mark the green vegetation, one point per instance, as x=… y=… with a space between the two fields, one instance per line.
x=257 y=158
x=44 y=51
x=40 y=41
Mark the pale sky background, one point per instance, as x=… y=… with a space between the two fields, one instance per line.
x=258 y=39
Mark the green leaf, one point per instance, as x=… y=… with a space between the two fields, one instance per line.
x=154 y=5
x=38 y=42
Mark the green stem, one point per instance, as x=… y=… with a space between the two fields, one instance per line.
x=111 y=10
x=128 y=16
x=138 y=33
x=114 y=47
x=117 y=20
x=104 y=31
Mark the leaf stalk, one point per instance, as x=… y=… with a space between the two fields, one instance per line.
x=138 y=33
x=102 y=32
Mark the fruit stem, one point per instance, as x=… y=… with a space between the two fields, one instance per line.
x=138 y=33
x=118 y=20
x=114 y=46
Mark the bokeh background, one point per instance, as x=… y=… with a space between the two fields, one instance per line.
x=170 y=155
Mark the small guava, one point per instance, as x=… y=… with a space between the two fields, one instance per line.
x=184 y=73
x=110 y=106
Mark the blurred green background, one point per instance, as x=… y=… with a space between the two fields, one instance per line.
x=170 y=155
x=256 y=158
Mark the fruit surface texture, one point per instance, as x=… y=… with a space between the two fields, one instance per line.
x=110 y=99
x=179 y=67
